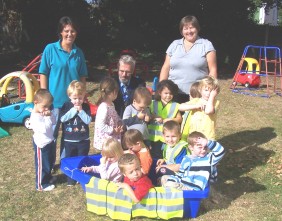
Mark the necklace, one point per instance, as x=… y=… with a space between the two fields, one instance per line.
x=187 y=45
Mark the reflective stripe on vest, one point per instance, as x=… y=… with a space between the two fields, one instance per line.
x=175 y=151
x=185 y=125
x=104 y=198
x=164 y=203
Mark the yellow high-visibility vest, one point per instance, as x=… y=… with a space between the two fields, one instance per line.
x=105 y=198
x=176 y=150
x=168 y=111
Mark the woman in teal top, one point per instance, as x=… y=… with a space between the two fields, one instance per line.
x=61 y=63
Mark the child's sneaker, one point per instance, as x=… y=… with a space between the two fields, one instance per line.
x=48 y=188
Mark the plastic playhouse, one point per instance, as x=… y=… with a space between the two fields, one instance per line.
x=103 y=197
x=17 y=112
x=259 y=72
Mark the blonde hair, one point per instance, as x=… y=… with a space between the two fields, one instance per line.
x=112 y=148
x=76 y=88
x=107 y=86
x=172 y=126
x=128 y=159
x=43 y=95
x=193 y=136
x=194 y=90
x=209 y=82
x=142 y=94
x=132 y=136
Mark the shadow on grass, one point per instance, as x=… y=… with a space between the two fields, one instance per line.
x=243 y=154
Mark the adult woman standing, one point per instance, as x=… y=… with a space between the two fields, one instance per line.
x=61 y=63
x=189 y=59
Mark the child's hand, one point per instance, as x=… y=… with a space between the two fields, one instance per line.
x=86 y=169
x=160 y=162
x=46 y=113
x=78 y=108
x=103 y=160
x=122 y=185
x=158 y=120
x=147 y=118
x=118 y=129
x=202 y=141
x=141 y=115
x=214 y=92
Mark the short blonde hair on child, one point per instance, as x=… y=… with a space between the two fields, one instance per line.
x=209 y=82
x=142 y=94
x=132 y=136
x=127 y=159
x=193 y=136
x=194 y=90
x=112 y=148
x=43 y=95
x=172 y=126
x=76 y=87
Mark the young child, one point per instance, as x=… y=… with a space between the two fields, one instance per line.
x=107 y=123
x=194 y=93
x=163 y=109
x=108 y=168
x=42 y=121
x=204 y=109
x=174 y=149
x=137 y=115
x=135 y=182
x=197 y=169
x=75 y=117
x=133 y=141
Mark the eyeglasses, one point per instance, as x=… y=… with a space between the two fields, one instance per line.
x=126 y=72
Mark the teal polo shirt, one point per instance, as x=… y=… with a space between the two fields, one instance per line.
x=61 y=68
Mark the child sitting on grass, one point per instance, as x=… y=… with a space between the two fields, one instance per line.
x=136 y=184
x=133 y=142
x=108 y=168
x=42 y=121
x=197 y=169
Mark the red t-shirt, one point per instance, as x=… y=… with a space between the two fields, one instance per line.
x=140 y=187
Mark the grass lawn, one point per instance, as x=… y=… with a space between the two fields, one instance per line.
x=249 y=185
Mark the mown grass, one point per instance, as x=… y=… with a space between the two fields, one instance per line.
x=249 y=185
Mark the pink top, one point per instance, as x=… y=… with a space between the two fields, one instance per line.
x=108 y=171
x=106 y=120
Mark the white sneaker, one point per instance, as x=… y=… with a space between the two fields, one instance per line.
x=48 y=188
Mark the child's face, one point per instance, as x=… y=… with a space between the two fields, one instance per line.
x=134 y=147
x=112 y=159
x=133 y=171
x=205 y=92
x=199 y=148
x=171 y=137
x=77 y=99
x=166 y=95
x=40 y=107
x=139 y=106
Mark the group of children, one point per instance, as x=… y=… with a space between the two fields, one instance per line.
x=184 y=144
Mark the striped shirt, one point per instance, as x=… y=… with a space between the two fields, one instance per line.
x=196 y=172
